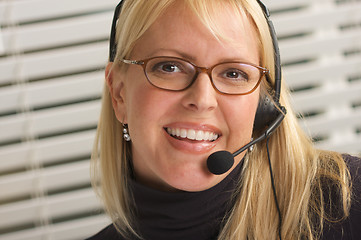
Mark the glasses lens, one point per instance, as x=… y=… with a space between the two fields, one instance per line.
x=169 y=73
x=235 y=78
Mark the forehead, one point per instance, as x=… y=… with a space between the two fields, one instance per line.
x=222 y=30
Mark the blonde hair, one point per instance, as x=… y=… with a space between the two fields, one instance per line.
x=301 y=171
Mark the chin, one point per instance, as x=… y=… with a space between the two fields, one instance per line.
x=195 y=182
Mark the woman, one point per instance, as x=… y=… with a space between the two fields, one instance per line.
x=163 y=116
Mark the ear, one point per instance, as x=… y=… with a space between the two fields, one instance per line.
x=115 y=82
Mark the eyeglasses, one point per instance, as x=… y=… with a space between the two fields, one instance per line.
x=177 y=74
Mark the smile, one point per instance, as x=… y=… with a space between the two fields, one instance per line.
x=191 y=134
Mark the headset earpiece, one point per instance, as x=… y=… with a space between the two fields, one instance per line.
x=266 y=113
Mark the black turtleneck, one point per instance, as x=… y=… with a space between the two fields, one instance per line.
x=198 y=215
x=179 y=215
x=183 y=215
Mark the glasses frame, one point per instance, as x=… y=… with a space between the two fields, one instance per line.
x=208 y=70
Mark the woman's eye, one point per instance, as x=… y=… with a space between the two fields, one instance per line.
x=167 y=67
x=170 y=68
x=235 y=74
x=232 y=74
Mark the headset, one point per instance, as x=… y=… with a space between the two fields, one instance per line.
x=269 y=115
x=268 y=111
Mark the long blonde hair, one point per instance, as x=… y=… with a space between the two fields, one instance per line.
x=300 y=170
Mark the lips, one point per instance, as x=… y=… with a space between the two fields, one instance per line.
x=192 y=134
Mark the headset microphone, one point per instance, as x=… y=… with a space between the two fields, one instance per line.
x=221 y=161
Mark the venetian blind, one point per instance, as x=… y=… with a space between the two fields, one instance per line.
x=52 y=58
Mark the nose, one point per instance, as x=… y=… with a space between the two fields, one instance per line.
x=200 y=96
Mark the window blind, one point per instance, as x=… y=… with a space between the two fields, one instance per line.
x=51 y=64
x=52 y=58
x=320 y=44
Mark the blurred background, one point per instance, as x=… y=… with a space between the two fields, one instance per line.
x=52 y=58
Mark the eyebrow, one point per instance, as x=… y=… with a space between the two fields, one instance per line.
x=178 y=53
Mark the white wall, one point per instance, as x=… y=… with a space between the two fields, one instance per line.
x=52 y=55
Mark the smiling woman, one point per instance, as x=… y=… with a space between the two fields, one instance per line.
x=187 y=79
x=163 y=161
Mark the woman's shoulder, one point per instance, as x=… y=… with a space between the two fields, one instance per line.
x=349 y=228
x=354 y=165
x=108 y=233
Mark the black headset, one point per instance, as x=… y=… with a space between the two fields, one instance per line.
x=270 y=113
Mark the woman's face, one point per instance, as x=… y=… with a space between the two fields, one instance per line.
x=161 y=160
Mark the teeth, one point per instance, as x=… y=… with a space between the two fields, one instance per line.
x=192 y=134
x=183 y=133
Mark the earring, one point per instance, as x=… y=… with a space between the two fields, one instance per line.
x=126 y=135
x=250 y=149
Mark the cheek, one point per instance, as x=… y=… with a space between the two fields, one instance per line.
x=139 y=96
x=139 y=103
x=148 y=103
x=241 y=113
x=146 y=107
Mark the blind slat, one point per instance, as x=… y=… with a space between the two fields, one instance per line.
x=57 y=33
x=18 y=11
x=317 y=72
x=318 y=124
x=76 y=229
x=55 y=91
x=49 y=179
x=309 y=21
x=319 y=99
x=315 y=46
x=46 y=151
x=52 y=207
x=54 y=62
x=45 y=122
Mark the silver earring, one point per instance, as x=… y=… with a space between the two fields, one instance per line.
x=251 y=147
x=126 y=135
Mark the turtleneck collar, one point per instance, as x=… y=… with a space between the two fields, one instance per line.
x=183 y=215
